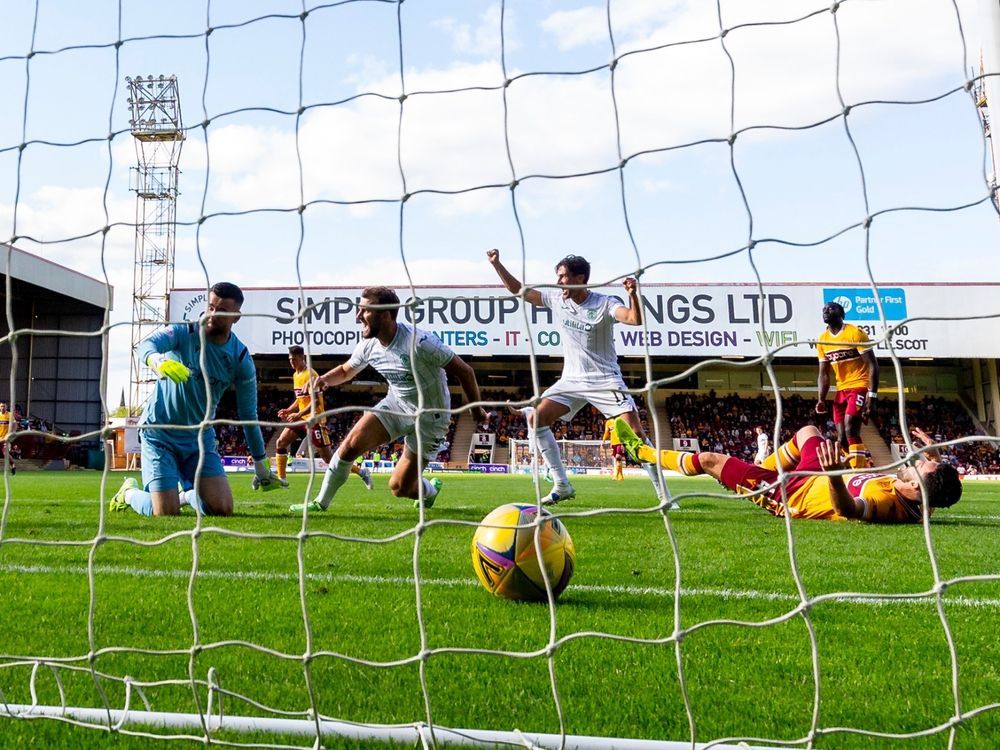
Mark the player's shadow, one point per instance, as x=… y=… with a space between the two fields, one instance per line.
x=966 y=521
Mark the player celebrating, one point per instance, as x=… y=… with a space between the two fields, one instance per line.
x=170 y=456
x=302 y=409
x=762 y=445
x=847 y=349
x=590 y=369
x=415 y=364
x=617 y=451
x=6 y=419
x=875 y=498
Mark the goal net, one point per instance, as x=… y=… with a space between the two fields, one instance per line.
x=833 y=150
x=579 y=456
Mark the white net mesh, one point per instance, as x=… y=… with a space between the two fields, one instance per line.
x=345 y=144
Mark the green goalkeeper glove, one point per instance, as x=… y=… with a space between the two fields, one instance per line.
x=168 y=368
x=266 y=479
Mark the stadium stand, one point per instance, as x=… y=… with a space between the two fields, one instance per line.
x=943 y=420
x=720 y=423
x=270 y=400
x=725 y=424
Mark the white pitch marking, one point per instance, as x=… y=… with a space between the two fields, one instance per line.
x=718 y=593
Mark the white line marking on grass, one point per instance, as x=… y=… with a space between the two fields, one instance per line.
x=235 y=575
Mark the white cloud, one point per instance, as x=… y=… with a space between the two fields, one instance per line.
x=630 y=19
x=658 y=186
x=785 y=75
x=429 y=271
x=481 y=40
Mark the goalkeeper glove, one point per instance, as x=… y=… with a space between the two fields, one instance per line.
x=266 y=479
x=167 y=368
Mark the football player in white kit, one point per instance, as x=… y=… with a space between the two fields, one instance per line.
x=762 y=446
x=415 y=364
x=591 y=374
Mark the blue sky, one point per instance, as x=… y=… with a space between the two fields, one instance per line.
x=802 y=184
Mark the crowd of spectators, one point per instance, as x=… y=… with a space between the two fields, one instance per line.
x=269 y=400
x=722 y=424
x=509 y=424
x=725 y=424
x=943 y=420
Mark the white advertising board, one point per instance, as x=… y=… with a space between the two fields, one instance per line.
x=680 y=320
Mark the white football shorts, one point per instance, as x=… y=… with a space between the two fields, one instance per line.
x=610 y=397
x=399 y=423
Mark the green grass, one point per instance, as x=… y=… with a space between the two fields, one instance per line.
x=884 y=666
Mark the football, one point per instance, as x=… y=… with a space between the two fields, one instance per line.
x=506 y=559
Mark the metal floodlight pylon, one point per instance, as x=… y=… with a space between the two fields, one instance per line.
x=158 y=135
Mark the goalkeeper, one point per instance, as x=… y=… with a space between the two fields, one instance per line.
x=170 y=456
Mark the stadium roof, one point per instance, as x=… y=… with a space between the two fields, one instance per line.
x=48 y=275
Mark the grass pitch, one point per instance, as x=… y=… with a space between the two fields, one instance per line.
x=353 y=632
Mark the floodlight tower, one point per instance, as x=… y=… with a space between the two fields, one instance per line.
x=158 y=135
x=982 y=100
x=987 y=88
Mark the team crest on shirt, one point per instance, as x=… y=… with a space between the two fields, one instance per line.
x=591 y=314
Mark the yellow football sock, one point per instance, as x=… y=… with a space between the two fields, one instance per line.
x=788 y=453
x=281 y=464
x=680 y=461
x=857 y=456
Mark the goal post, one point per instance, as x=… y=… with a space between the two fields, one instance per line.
x=578 y=456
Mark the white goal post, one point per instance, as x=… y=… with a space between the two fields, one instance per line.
x=579 y=457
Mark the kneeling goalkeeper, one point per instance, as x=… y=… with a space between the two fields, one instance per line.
x=171 y=449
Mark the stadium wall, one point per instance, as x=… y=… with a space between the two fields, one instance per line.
x=684 y=326
x=58 y=316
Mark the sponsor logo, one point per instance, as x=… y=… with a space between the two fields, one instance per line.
x=198 y=301
x=489 y=468
x=861 y=304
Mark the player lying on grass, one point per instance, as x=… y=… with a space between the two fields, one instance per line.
x=875 y=498
x=415 y=364
x=301 y=409
x=170 y=456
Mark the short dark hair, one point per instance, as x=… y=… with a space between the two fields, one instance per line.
x=227 y=290
x=837 y=306
x=382 y=295
x=944 y=486
x=296 y=351
x=577 y=265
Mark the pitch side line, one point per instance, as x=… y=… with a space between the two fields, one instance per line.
x=229 y=575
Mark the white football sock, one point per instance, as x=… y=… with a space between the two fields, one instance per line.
x=654 y=476
x=190 y=497
x=338 y=472
x=430 y=491
x=549 y=449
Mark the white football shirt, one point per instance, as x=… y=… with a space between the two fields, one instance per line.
x=401 y=360
x=761 y=446
x=587 y=333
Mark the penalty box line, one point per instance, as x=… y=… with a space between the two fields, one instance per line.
x=658 y=592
